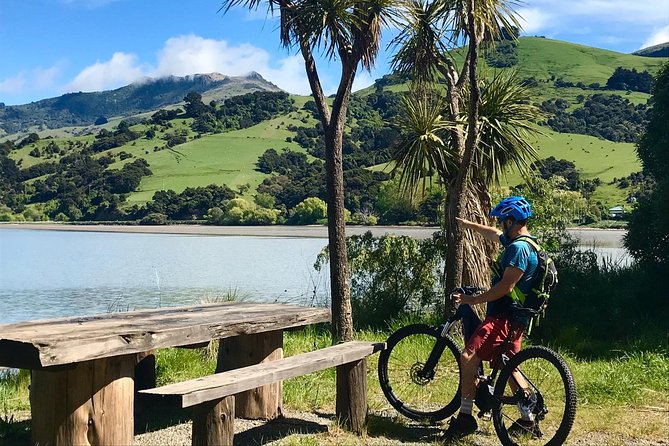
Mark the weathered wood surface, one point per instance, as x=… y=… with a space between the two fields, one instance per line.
x=91 y=404
x=351 y=405
x=213 y=387
x=265 y=402
x=214 y=422
x=38 y=344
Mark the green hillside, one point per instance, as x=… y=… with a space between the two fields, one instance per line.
x=593 y=157
x=225 y=158
x=545 y=58
x=82 y=109
x=230 y=157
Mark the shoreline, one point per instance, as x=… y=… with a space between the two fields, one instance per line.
x=602 y=238
x=310 y=231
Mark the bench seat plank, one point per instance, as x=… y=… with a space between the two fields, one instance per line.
x=219 y=385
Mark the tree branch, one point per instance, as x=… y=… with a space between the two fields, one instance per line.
x=315 y=83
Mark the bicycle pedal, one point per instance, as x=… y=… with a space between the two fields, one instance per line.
x=486 y=416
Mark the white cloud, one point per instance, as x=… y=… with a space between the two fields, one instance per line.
x=565 y=16
x=290 y=75
x=533 y=20
x=120 y=70
x=611 y=11
x=659 y=36
x=36 y=79
x=191 y=54
x=14 y=83
x=46 y=77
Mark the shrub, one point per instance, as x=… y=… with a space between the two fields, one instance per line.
x=391 y=277
x=154 y=218
x=309 y=211
x=600 y=304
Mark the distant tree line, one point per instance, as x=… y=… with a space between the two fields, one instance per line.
x=550 y=167
x=621 y=79
x=605 y=116
x=106 y=139
x=237 y=112
x=632 y=80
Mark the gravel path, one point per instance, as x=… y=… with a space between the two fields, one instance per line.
x=395 y=432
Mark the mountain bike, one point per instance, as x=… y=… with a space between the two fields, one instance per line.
x=419 y=373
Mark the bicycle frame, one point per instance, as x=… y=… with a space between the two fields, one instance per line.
x=428 y=370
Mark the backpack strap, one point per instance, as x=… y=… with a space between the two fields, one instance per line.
x=530 y=240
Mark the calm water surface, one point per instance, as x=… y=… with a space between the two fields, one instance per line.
x=46 y=274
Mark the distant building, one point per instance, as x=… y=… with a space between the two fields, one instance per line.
x=616 y=212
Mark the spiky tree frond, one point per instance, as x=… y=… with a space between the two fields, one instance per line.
x=490 y=17
x=506 y=126
x=373 y=16
x=507 y=123
x=420 y=47
x=424 y=145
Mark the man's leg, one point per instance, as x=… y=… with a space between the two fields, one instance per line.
x=465 y=423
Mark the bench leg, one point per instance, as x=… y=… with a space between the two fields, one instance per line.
x=351 y=407
x=263 y=403
x=214 y=422
x=90 y=404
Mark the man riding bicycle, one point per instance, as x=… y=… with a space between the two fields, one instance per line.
x=513 y=273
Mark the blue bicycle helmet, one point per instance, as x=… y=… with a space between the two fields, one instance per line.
x=516 y=207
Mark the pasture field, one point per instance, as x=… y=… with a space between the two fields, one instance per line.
x=225 y=158
x=545 y=58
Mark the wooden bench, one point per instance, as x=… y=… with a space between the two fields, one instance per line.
x=213 y=401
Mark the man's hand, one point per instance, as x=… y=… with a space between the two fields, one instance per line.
x=459 y=299
x=488 y=232
x=464 y=221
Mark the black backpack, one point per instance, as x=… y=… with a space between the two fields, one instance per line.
x=545 y=278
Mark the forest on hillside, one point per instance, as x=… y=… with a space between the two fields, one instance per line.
x=70 y=180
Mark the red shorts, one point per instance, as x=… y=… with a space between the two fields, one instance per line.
x=488 y=338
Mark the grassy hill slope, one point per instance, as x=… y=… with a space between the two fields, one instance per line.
x=225 y=158
x=148 y=95
x=229 y=158
x=544 y=58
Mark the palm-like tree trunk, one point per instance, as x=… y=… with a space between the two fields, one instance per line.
x=457 y=200
x=333 y=125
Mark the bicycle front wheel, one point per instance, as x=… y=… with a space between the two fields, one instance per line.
x=548 y=392
x=417 y=393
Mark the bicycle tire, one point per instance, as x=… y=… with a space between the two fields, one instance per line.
x=407 y=349
x=561 y=428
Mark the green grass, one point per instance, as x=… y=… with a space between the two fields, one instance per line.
x=225 y=158
x=544 y=58
x=622 y=398
x=593 y=157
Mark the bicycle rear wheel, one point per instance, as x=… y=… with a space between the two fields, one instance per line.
x=550 y=396
x=428 y=398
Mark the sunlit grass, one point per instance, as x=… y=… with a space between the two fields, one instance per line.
x=632 y=384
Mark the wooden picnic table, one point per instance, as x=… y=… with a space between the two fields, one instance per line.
x=82 y=380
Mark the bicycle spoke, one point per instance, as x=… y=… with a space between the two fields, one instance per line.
x=414 y=391
x=547 y=405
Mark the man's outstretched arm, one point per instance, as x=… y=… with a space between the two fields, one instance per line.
x=488 y=232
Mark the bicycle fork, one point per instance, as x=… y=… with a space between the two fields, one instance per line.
x=428 y=370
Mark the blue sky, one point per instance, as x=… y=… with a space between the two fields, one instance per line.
x=50 y=47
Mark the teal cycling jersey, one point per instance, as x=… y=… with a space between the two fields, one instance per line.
x=518 y=254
